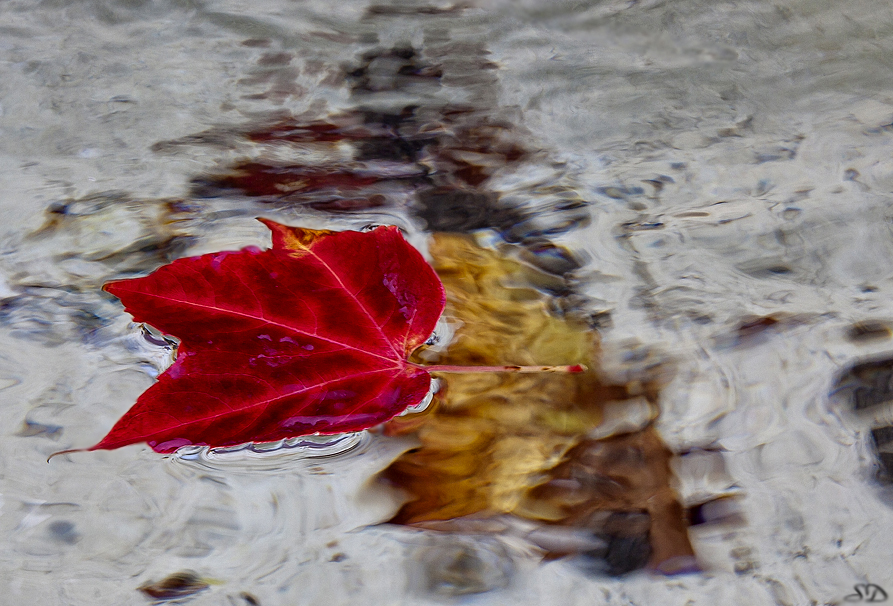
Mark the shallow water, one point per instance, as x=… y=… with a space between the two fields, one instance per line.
x=719 y=172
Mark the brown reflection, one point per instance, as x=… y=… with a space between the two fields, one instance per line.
x=256 y=179
x=627 y=474
x=448 y=158
x=161 y=238
x=496 y=444
x=869 y=330
x=749 y=328
x=176 y=586
x=434 y=158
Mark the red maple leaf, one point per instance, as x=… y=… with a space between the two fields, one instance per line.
x=308 y=337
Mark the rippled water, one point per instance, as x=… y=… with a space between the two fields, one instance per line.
x=719 y=173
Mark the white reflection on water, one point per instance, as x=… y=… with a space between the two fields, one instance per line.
x=305 y=447
x=734 y=158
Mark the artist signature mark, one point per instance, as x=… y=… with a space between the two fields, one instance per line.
x=867 y=592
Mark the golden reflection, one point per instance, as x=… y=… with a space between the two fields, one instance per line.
x=524 y=444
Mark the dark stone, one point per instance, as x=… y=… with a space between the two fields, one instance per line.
x=387 y=148
x=627 y=544
x=460 y=210
x=867 y=384
x=883 y=437
x=883 y=445
x=868 y=331
x=64 y=531
x=626 y=554
x=885 y=461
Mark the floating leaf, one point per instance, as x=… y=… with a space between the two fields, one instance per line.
x=310 y=336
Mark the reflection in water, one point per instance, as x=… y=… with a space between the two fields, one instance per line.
x=491 y=444
x=176 y=586
x=706 y=184
x=867 y=388
x=277 y=456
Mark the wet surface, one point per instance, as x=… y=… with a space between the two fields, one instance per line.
x=701 y=189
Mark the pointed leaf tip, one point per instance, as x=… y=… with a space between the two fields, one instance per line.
x=295 y=239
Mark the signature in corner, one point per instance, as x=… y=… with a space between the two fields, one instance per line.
x=867 y=592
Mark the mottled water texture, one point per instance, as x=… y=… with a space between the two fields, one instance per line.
x=704 y=186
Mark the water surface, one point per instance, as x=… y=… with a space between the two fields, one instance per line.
x=718 y=172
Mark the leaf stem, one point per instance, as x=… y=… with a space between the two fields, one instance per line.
x=525 y=369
